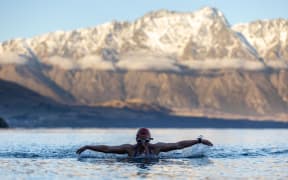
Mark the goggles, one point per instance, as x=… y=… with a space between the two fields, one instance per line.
x=145 y=140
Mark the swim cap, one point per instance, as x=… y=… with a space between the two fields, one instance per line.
x=143 y=133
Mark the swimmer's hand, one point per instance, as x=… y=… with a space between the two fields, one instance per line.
x=206 y=142
x=80 y=150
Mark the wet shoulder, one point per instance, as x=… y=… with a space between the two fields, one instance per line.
x=127 y=146
x=156 y=147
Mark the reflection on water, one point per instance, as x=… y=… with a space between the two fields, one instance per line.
x=145 y=168
x=50 y=154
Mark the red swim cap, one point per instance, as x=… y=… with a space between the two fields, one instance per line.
x=143 y=133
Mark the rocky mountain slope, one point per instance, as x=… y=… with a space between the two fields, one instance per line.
x=24 y=108
x=190 y=63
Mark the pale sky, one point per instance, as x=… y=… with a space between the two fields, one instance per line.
x=27 y=18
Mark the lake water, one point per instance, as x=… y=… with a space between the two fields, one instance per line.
x=50 y=154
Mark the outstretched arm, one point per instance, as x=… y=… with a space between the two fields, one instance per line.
x=122 y=149
x=164 y=147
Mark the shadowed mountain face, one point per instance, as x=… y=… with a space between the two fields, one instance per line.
x=226 y=93
x=17 y=100
x=192 y=64
x=22 y=107
x=231 y=92
x=27 y=109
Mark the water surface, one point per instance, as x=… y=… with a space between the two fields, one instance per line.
x=50 y=154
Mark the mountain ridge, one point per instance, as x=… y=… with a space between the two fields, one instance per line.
x=184 y=63
x=202 y=37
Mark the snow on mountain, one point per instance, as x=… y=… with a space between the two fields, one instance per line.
x=161 y=40
x=269 y=37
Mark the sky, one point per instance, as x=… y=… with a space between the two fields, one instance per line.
x=28 y=18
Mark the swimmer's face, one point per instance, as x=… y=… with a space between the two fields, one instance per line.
x=143 y=136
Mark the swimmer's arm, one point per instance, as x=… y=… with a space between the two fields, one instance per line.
x=164 y=147
x=122 y=149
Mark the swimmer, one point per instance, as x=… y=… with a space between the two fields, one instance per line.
x=144 y=148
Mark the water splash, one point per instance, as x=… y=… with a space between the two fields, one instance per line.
x=60 y=153
x=191 y=152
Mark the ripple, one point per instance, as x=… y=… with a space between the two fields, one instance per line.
x=192 y=152
x=246 y=154
x=236 y=152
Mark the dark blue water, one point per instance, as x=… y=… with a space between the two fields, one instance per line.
x=50 y=154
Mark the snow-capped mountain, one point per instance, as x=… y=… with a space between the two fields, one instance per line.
x=159 y=40
x=162 y=58
x=269 y=37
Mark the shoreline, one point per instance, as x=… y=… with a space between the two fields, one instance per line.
x=160 y=121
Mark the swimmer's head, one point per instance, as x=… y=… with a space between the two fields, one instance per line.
x=143 y=135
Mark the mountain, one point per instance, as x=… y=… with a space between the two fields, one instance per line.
x=193 y=64
x=173 y=38
x=22 y=107
x=269 y=37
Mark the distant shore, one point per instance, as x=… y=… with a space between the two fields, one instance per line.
x=151 y=121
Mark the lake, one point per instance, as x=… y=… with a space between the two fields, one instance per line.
x=50 y=154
